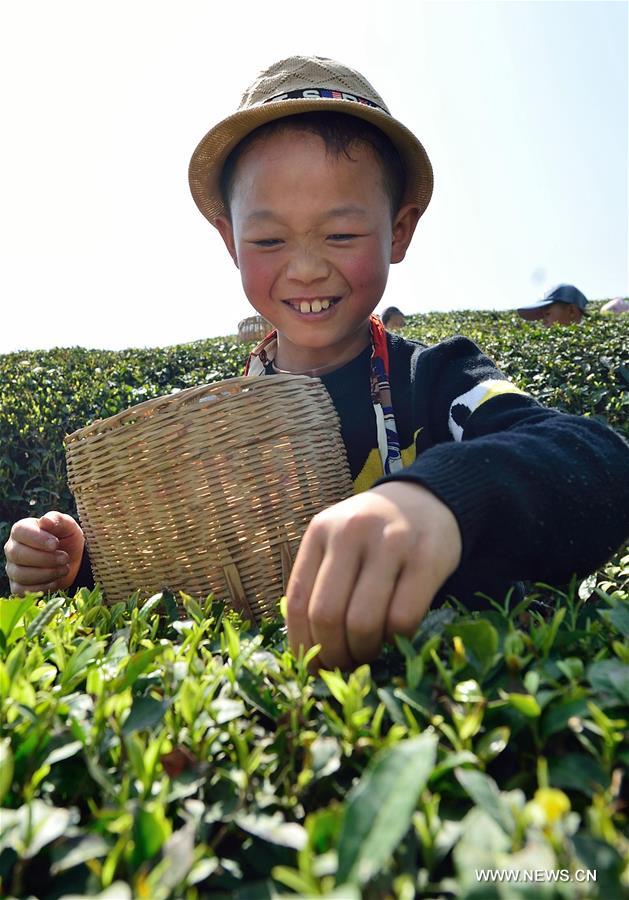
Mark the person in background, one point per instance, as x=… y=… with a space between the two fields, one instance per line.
x=564 y=305
x=393 y=319
x=617 y=305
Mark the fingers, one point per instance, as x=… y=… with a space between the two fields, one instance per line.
x=47 y=576
x=414 y=592
x=349 y=584
x=33 y=563
x=35 y=575
x=18 y=590
x=298 y=590
x=28 y=532
x=331 y=593
x=368 y=568
x=23 y=555
x=58 y=524
x=366 y=616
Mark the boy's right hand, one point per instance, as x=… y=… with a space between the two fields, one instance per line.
x=44 y=554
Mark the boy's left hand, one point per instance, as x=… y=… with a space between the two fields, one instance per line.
x=368 y=568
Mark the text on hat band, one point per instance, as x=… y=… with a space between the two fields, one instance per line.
x=317 y=93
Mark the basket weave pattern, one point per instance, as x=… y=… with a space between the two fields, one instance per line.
x=210 y=489
x=253 y=328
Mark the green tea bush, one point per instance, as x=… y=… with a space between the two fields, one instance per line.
x=146 y=755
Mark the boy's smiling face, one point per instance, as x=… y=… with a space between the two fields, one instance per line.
x=313 y=237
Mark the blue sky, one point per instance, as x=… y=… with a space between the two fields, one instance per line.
x=522 y=107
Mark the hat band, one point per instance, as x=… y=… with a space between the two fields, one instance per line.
x=318 y=93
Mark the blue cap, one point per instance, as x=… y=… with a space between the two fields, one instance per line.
x=563 y=293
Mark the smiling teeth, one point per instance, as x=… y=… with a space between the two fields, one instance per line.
x=314 y=306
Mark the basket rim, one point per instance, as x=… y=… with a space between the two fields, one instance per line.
x=143 y=410
x=257 y=319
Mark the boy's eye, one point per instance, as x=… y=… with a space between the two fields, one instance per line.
x=341 y=237
x=267 y=242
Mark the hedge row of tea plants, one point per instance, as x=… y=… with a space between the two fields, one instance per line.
x=174 y=753
x=143 y=754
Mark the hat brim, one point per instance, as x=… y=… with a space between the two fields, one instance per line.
x=214 y=148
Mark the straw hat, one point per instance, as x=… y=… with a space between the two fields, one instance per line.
x=301 y=84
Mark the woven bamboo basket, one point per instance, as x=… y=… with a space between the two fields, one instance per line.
x=253 y=328
x=208 y=490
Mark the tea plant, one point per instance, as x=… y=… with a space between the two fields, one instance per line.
x=147 y=755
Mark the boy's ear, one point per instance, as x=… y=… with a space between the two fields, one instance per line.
x=404 y=225
x=226 y=231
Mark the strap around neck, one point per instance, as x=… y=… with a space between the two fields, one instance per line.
x=388 y=441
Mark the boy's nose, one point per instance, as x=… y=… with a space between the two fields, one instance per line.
x=306 y=266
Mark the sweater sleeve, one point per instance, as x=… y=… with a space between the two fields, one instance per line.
x=85 y=576
x=540 y=493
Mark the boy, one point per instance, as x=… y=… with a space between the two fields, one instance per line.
x=462 y=482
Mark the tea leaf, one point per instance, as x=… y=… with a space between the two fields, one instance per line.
x=75 y=851
x=6 y=767
x=525 y=704
x=380 y=806
x=145 y=713
x=480 y=640
x=248 y=687
x=556 y=717
x=578 y=772
x=599 y=856
x=551 y=631
x=468 y=691
x=273 y=829
x=44 y=617
x=13 y=611
x=493 y=743
x=619 y=617
x=451 y=761
x=150 y=830
x=151 y=604
x=75 y=666
x=223 y=709
x=610 y=677
x=137 y=664
x=295 y=881
x=35 y=825
x=336 y=684
x=64 y=751
x=326 y=756
x=233 y=640
x=485 y=793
